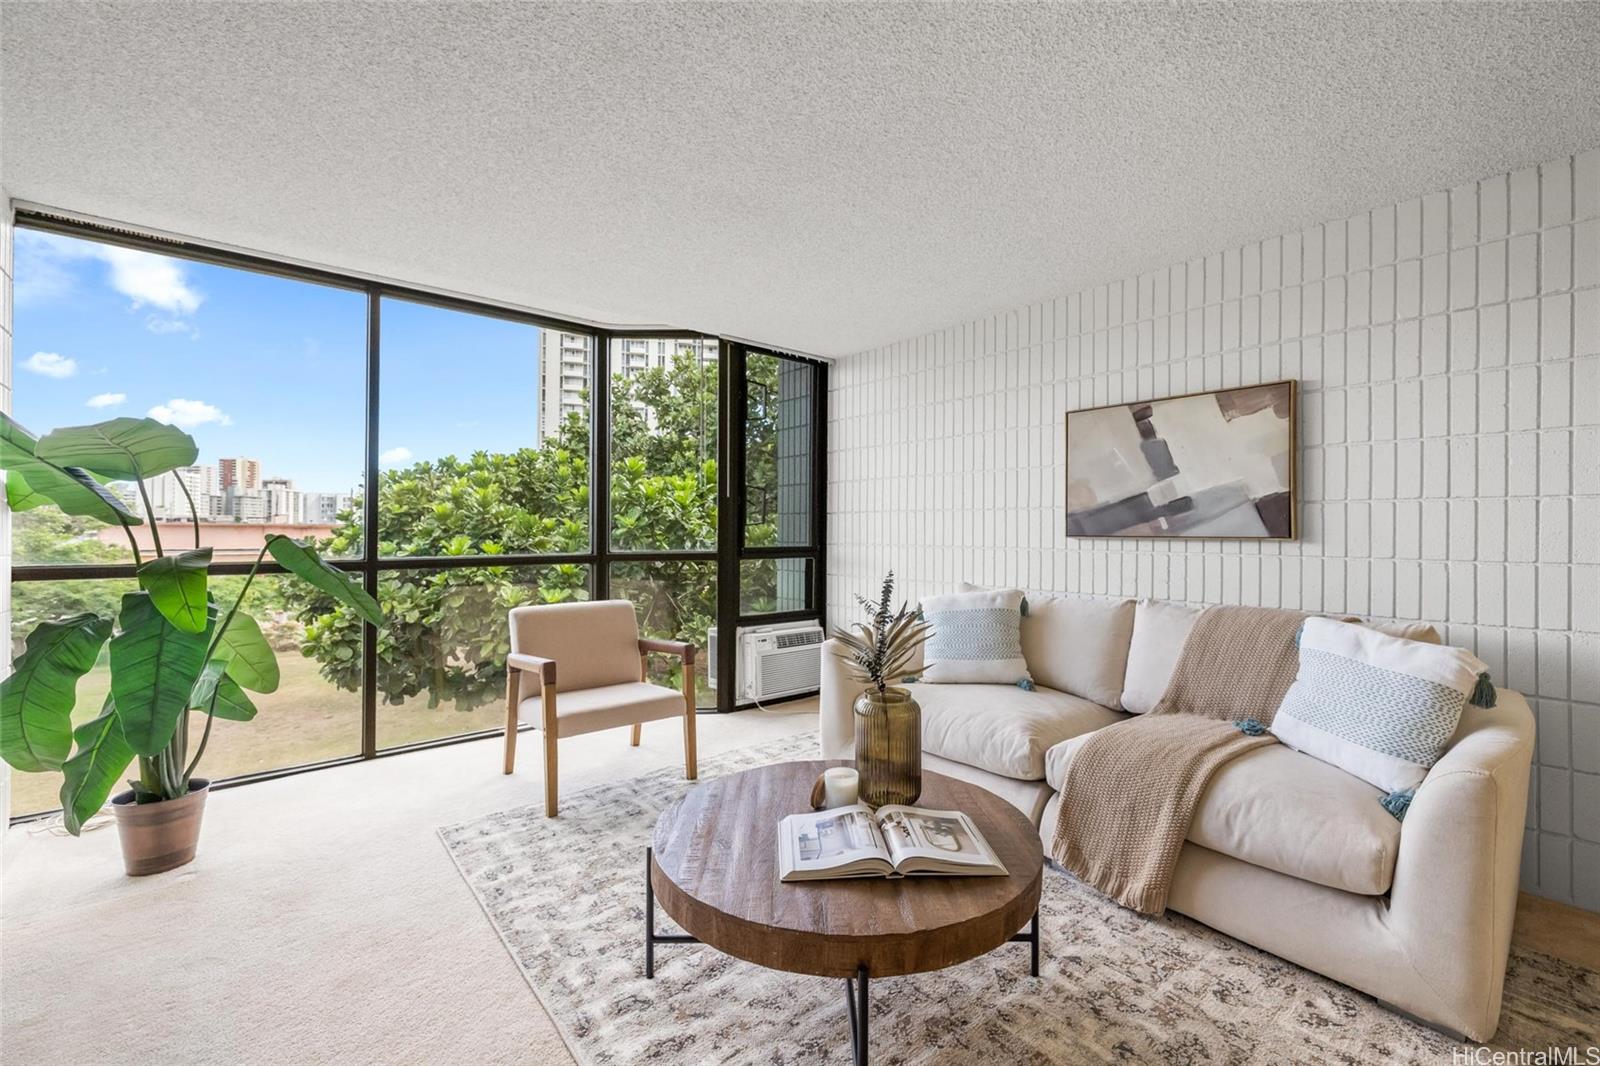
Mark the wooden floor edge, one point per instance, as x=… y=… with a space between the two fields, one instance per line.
x=1559 y=929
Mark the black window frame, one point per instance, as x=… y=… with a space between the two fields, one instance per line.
x=600 y=556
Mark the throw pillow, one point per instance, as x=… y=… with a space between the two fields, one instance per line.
x=977 y=639
x=1076 y=644
x=1379 y=707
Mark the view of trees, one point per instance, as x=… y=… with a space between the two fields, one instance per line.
x=444 y=642
x=446 y=634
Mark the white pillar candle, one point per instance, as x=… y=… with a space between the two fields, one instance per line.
x=841 y=786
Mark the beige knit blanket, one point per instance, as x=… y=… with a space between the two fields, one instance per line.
x=1131 y=789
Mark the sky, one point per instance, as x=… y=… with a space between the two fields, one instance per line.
x=259 y=366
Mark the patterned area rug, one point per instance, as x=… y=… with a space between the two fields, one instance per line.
x=567 y=898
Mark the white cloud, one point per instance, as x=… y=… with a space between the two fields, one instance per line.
x=186 y=414
x=151 y=279
x=108 y=399
x=51 y=364
x=157 y=324
x=395 y=455
x=144 y=277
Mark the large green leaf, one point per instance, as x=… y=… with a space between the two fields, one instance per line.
x=103 y=753
x=249 y=658
x=154 y=666
x=177 y=586
x=120 y=448
x=231 y=702
x=31 y=482
x=36 y=701
x=309 y=567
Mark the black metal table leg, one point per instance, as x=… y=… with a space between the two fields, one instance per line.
x=1031 y=938
x=855 y=997
x=651 y=937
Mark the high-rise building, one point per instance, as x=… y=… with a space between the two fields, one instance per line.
x=284 y=504
x=322 y=508
x=167 y=499
x=239 y=473
x=565 y=360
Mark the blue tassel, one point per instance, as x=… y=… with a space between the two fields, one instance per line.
x=1250 y=727
x=1483 y=695
x=910 y=679
x=1298 y=633
x=1398 y=802
x=1024 y=606
x=1026 y=684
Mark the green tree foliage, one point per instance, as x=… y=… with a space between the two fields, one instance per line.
x=445 y=633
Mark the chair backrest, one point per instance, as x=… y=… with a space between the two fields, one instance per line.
x=593 y=644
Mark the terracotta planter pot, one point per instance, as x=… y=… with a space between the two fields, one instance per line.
x=160 y=836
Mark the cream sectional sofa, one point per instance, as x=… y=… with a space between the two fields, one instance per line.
x=1287 y=853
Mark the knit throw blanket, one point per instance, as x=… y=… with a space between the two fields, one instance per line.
x=1132 y=787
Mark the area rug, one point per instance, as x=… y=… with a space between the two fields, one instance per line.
x=567 y=897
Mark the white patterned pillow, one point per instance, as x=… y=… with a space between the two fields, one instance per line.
x=1379 y=707
x=977 y=639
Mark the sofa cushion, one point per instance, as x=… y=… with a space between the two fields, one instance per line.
x=1079 y=645
x=1159 y=630
x=1002 y=728
x=1277 y=808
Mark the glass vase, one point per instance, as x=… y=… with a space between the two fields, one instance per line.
x=888 y=746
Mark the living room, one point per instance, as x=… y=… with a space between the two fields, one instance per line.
x=553 y=532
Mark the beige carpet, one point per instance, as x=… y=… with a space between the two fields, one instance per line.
x=321 y=923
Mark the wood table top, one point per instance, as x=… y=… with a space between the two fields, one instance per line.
x=715 y=872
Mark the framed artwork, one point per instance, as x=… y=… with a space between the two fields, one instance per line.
x=1210 y=464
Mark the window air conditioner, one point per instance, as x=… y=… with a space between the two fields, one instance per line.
x=772 y=661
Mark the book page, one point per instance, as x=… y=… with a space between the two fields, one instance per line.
x=943 y=836
x=830 y=839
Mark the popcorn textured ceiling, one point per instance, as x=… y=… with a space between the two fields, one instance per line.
x=823 y=177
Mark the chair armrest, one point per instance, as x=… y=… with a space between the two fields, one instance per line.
x=681 y=648
x=545 y=668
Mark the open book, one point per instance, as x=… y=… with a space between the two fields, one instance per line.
x=894 y=841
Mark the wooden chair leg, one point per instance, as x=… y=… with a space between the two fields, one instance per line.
x=691 y=765
x=547 y=703
x=513 y=690
x=637 y=729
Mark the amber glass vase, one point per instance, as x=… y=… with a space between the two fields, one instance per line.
x=888 y=746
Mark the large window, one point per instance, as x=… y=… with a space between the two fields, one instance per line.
x=511 y=460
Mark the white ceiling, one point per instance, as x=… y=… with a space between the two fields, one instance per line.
x=824 y=177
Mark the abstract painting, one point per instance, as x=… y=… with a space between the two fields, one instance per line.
x=1212 y=464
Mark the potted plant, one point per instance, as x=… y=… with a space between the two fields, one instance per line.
x=174 y=650
x=888 y=720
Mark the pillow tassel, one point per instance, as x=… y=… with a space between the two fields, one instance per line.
x=1399 y=801
x=1483 y=695
x=1298 y=633
x=1250 y=727
x=1026 y=684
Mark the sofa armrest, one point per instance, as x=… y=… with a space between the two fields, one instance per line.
x=1457 y=872
x=835 y=704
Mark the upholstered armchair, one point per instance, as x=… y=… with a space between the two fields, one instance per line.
x=591 y=655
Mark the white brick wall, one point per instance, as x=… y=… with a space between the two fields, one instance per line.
x=1448 y=353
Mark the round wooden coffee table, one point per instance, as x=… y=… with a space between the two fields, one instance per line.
x=714 y=870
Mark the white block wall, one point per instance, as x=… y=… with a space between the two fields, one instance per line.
x=1448 y=354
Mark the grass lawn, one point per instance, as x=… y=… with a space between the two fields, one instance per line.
x=305 y=720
